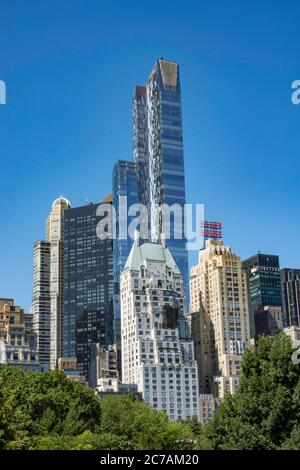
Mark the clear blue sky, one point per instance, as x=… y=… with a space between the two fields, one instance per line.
x=70 y=67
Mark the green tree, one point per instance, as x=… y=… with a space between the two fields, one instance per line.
x=34 y=404
x=265 y=410
x=141 y=426
x=48 y=411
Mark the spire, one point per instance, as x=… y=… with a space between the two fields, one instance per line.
x=136 y=237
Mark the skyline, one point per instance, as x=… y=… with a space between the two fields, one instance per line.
x=52 y=144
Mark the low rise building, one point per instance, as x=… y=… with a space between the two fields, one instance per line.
x=293 y=332
x=68 y=365
x=268 y=321
x=17 y=338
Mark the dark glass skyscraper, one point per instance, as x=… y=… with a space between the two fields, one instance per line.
x=264 y=287
x=88 y=285
x=290 y=283
x=158 y=153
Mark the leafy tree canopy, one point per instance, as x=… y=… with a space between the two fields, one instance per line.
x=48 y=411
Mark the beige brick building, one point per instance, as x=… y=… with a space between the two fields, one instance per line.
x=219 y=317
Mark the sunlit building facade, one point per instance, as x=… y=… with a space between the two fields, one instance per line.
x=55 y=237
x=157 y=352
x=18 y=346
x=219 y=306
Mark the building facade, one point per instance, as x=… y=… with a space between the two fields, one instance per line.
x=263 y=284
x=293 y=332
x=268 y=321
x=208 y=405
x=290 y=285
x=55 y=237
x=6 y=301
x=104 y=376
x=219 y=317
x=157 y=353
x=88 y=284
x=18 y=345
x=40 y=307
x=202 y=334
x=68 y=365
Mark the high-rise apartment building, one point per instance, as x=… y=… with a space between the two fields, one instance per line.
x=88 y=284
x=40 y=307
x=219 y=317
x=17 y=338
x=47 y=299
x=55 y=236
x=158 y=153
x=157 y=353
x=263 y=283
x=290 y=285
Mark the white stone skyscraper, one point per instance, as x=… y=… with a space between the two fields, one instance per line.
x=55 y=227
x=157 y=353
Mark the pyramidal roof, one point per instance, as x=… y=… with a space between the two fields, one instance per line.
x=151 y=251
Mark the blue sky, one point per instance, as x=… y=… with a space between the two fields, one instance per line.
x=70 y=68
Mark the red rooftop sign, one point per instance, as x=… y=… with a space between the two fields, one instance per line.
x=211 y=229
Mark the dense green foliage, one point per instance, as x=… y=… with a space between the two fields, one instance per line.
x=265 y=413
x=47 y=411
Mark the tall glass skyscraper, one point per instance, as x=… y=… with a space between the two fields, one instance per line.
x=156 y=174
x=158 y=153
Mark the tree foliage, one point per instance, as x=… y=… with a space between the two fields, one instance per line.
x=48 y=411
x=266 y=409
